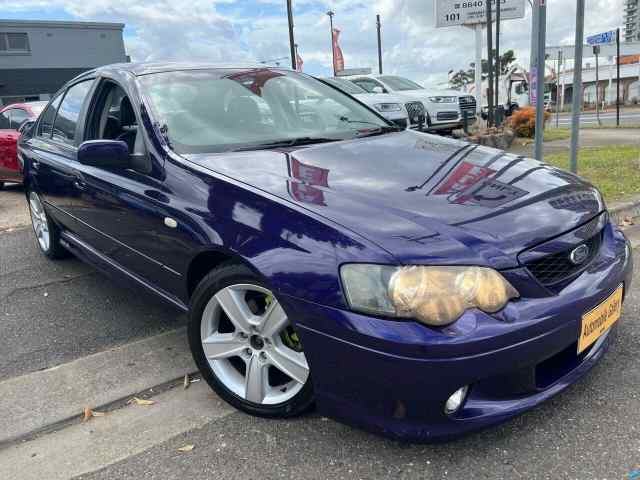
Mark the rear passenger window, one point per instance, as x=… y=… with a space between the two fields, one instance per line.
x=18 y=117
x=46 y=119
x=64 y=127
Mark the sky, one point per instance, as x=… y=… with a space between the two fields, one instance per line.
x=256 y=30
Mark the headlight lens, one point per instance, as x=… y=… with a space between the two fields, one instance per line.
x=388 y=107
x=443 y=99
x=435 y=296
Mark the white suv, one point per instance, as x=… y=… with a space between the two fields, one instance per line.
x=391 y=107
x=444 y=108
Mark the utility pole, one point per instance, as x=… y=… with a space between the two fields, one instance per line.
x=558 y=87
x=478 y=34
x=497 y=70
x=577 y=85
x=618 y=79
x=291 y=40
x=596 y=53
x=541 y=6
x=490 y=65
x=333 y=54
x=378 y=25
x=534 y=51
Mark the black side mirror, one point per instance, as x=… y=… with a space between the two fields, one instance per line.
x=26 y=127
x=104 y=154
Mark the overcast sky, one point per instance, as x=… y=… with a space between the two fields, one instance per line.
x=249 y=30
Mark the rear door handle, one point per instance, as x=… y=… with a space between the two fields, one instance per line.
x=35 y=164
x=79 y=184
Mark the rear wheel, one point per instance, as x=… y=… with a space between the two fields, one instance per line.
x=246 y=346
x=47 y=233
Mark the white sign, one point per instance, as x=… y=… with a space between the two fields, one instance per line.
x=353 y=71
x=470 y=12
x=602 y=38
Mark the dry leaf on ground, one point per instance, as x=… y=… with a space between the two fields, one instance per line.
x=141 y=401
x=186 y=448
x=186 y=381
x=87 y=413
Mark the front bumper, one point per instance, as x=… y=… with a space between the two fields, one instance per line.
x=394 y=377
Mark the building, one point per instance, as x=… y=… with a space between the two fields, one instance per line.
x=38 y=57
x=632 y=20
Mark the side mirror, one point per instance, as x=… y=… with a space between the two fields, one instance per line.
x=378 y=89
x=104 y=154
x=26 y=127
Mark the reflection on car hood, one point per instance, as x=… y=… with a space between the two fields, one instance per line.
x=424 y=199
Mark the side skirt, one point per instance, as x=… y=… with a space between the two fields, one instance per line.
x=112 y=268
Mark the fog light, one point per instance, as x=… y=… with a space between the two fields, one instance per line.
x=456 y=400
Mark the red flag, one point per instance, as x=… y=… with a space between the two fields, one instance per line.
x=338 y=59
x=299 y=61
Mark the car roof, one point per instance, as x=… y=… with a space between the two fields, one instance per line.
x=25 y=105
x=145 y=68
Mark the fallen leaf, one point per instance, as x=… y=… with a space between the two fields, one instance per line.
x=186 y=381
x=87 y=413
x=141 y=401
x=46 y=294
x=186 y=448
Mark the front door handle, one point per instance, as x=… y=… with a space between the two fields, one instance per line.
x=79 y=184
x=35 y=164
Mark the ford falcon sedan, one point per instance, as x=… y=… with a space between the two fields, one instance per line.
x=412 y=285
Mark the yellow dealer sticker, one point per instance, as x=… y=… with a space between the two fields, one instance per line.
x=598 y=320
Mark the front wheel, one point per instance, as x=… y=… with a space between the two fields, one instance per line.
x=246 y=346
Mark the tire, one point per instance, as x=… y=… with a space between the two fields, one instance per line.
x=240 y=364
x=46 y=231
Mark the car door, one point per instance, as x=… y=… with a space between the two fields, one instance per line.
x=9 y=170
x=121 y=212
x=52 y=152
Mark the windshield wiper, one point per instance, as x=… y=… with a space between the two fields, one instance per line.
x=379 y=129
x=291 y=142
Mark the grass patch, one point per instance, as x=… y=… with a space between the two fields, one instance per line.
x=553 y=134
x=614 y=169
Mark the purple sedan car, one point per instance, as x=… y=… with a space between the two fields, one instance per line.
x=412 y=285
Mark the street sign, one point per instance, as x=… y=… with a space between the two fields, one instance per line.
x=602 y=38
x=450 y=13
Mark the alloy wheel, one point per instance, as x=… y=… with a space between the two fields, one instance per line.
x=39 y=221
x=251 y=346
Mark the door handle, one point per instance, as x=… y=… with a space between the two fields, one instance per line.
x=35 y=164
x=79 y=184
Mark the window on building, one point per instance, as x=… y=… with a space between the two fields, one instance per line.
x=14 y=42
x=64 y=127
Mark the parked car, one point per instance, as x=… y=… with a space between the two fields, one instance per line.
x=12 y=117
x=391 y=107
x=413 y=285
x=444 y=108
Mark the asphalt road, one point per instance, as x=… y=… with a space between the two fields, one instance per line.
x=54 y=312
x=608 y=118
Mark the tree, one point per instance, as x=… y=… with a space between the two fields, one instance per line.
x=464 y=77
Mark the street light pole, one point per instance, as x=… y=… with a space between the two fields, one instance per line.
x=333 y=53
x=379 y=44
x=540 y=71
x=577 y=86
x=490 y=66
x=291 y=40
x=497 y=69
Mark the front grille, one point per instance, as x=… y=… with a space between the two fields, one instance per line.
x=555 y=268
x=468 y=104
x=444 y=116
x=416 y=112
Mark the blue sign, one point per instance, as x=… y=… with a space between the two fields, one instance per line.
x=602 y=38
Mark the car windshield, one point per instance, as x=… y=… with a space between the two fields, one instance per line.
x=37 y=107
x=345 y=86
x=400 y=83
x=206 y=111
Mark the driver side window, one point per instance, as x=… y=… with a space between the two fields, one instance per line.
x=368 y=84
x=114 y=118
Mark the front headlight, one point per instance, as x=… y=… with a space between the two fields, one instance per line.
x=443 y=99
x=435 y=296
x=388 y=107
